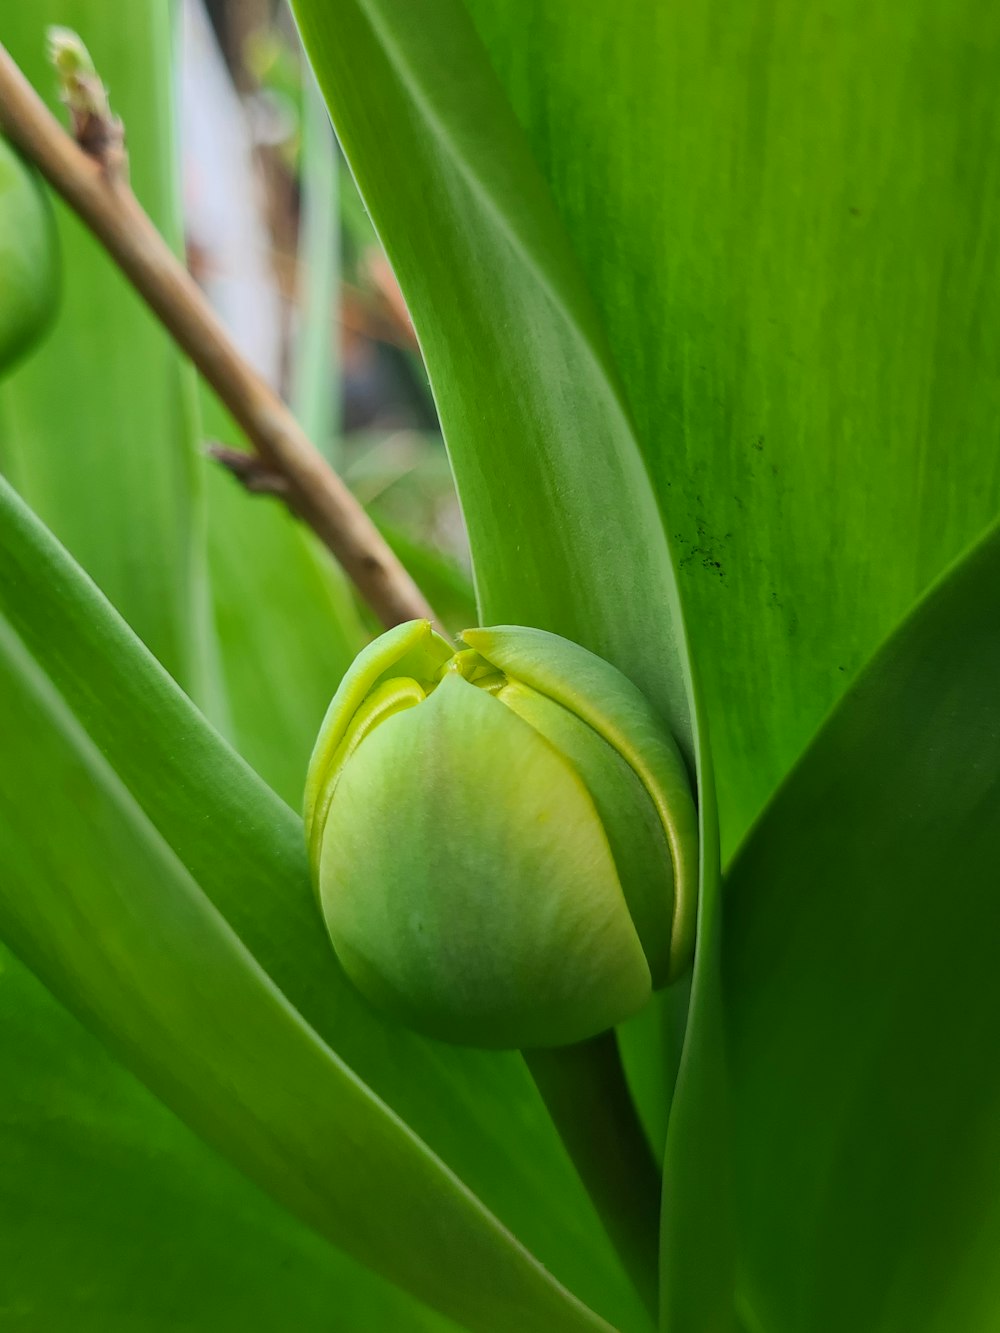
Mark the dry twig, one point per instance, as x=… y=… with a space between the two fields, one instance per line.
x=94 y=183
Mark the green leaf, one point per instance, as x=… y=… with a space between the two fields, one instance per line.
x=787 y=216
x=863 y=991
x=246 y=851
x=143 y=1224
x=108 y=916
x=97 y=430
x=697 y=1240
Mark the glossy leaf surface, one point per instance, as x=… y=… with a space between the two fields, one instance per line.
x=787 y=216
x=111 y=919
x=864 y=995
x=786 y=219
x=145 y=1226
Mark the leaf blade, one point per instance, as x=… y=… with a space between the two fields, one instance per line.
x=111 y=920
x=787 y=219
x=876 y=1129
x=144 y=1223
x=247 y=852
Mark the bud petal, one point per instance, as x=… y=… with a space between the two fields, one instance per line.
x=629 y=817
x=619 y=712
x=410 y=650
x=467 y=883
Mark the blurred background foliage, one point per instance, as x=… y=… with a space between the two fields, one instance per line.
x=382 y=424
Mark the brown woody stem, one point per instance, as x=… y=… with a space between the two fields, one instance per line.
x=106 y=204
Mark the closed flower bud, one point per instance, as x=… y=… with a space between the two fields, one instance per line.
x=28 y=257
x=503 y=838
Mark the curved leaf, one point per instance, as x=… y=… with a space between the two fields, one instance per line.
x=246 y=851
x=113 y=923
x=145 y=1226
x=863 y=994
x=787 y=216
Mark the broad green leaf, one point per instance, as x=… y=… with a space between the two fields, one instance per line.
x=115 y=1217
x=246 y=851
x=787 y=219
x=788 y=216
x=97 y=430
x=111 y=920
x=863 y=995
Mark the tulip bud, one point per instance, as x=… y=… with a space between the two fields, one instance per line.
x=28 y=256
x=503 y=838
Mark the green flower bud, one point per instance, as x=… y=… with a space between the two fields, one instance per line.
x=503 y=839
x=28 y=256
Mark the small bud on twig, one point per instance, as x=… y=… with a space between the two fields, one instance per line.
x=96 y=129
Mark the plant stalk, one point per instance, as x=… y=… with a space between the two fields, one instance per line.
x=101 y=197
x=585 y=1092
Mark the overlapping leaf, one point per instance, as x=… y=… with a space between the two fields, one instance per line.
x=864 y=995
x=227 y=834
x=145 y=1226
x=111 y=920
x=787 y=215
